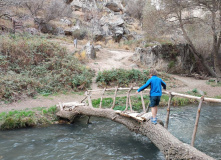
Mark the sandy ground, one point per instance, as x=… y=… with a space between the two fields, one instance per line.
x=106 y=60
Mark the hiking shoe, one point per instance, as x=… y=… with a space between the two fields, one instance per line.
x=153 y=120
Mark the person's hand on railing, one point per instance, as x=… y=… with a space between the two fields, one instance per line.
x=136 y=92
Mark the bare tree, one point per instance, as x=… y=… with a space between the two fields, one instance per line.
x=4 y=14
x=153 y=23
x=134 y=8
x=34 y=6
x=57 y=9
x=181 y=14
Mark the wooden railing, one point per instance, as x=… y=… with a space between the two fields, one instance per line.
x=171 y=95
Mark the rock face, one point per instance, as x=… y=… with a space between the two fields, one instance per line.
x=113 y=6
x=168 y=58
x=32 y=31
x=112 y=21
x=90 y=51
x=113 y=25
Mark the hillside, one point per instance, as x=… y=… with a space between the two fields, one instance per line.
x=108 y=59
x=38 y=56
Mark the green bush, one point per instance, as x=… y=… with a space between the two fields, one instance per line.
x=27 y=118
x=171 y=64
x=79 y=34
x=122 y=77
x=31 y=65
x=17 y=119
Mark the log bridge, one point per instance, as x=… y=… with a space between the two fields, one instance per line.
x=170 y=146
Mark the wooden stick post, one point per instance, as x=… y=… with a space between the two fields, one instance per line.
x=130 y=104
x=115 y=94
x=128 y=95
x=143 y=103
x=102 y=97
x=197 y=121
x=89 y=99
x=168 y=110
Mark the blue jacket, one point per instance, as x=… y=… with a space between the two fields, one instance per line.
x=155 y=84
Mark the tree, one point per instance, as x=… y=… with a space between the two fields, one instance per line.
x=178 y=14
x=48 y=10
x=134 y=8
x=57 y=9
x=34 y=6
x=4 y=14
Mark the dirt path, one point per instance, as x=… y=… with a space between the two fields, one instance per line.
x=200 y=85
x=107 y=59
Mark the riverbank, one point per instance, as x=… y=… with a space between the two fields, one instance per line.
x=28 y=118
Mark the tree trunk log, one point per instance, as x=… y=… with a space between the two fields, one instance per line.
x=169 y=145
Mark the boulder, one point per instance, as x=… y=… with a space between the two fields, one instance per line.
x=66 y=21
x=113 y=6
x=118 y=33
x=118 y=30
x=97 y=48
x=77 y=5
x=44 y=26
x=68 y=1
x=112 y=20
x=32 y=31
x=90 y=51
x=68 y=32
x=106 y=30
x=113 y=25
x=98 y=35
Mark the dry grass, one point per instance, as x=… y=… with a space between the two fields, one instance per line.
x=81 y=56
x=6 y=23
x=29 y=24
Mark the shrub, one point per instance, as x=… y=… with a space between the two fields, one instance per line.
x=80 y=34
x=122 y=77
x=27 y=118
x=171 y=64
x=31 y=65
x=17 y=119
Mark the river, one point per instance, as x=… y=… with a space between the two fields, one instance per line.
x=107 y=140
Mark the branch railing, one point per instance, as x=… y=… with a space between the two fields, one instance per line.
x=171 y=95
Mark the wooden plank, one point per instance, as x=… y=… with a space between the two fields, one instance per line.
x=73 y=104
x=130 y=115
x=147 y=116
